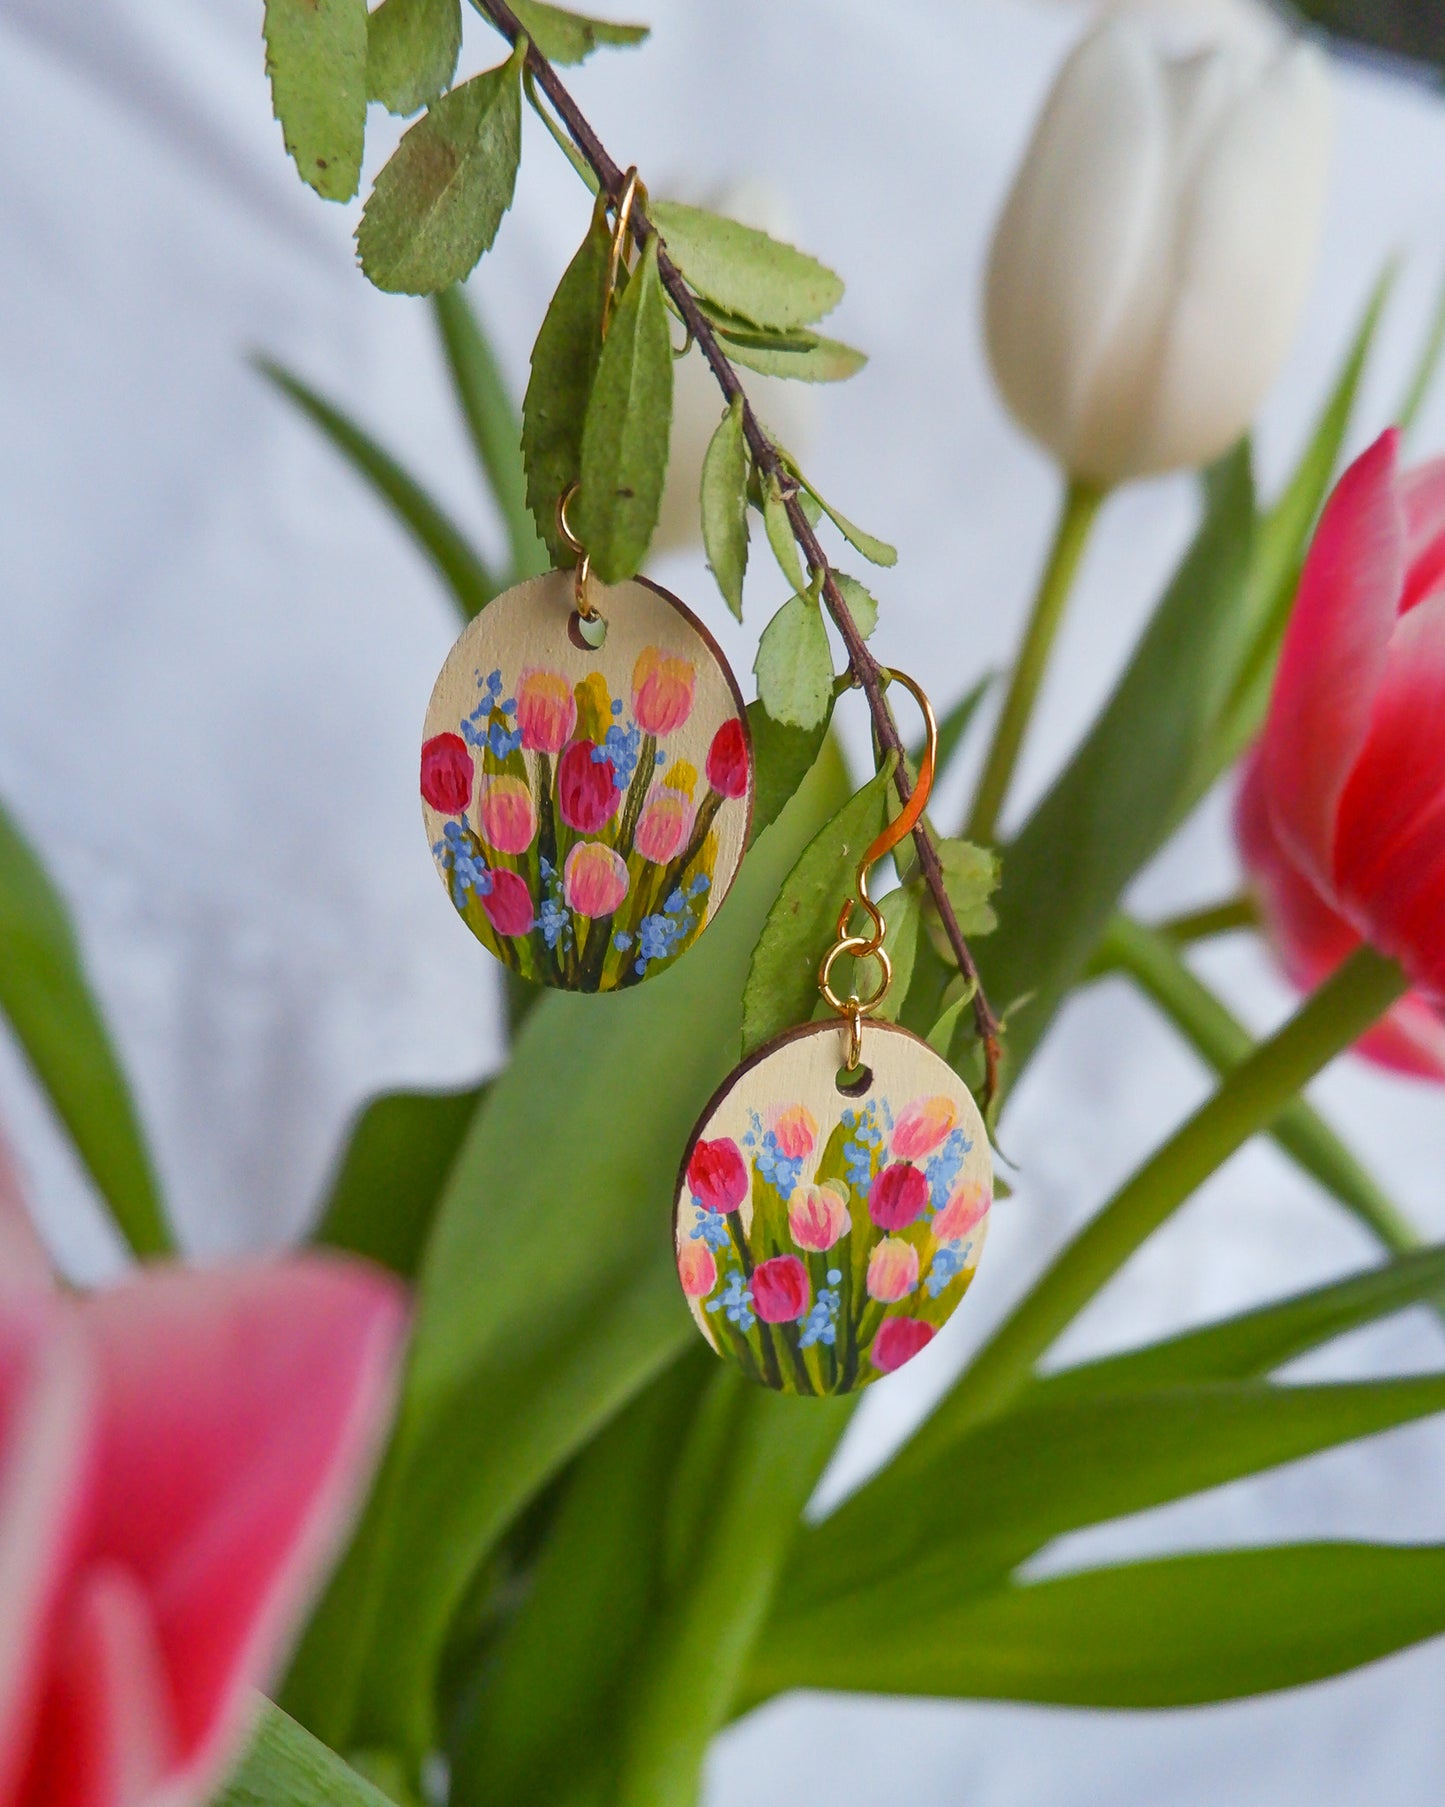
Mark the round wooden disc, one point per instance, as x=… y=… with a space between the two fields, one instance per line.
x=587 y=809
x=823 y=1234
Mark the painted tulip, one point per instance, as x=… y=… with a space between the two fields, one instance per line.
x=796 y=1129
x=507 y=816
x=447 y=773
x=696 y=1268
x=1153 y=256
x=898 y=1341
x=921 y=1127
x=594 y=879
x=780 y=1290
x=727 y=759
x=963 y=1213
x=663 y=826
x=1341 y=813
x=587 y=793
x=546 y=710
x=818 y=1216
x=892 y=1270
x=509 y=904
x=717 y=1176
x=898 y=1197
x=662 y=687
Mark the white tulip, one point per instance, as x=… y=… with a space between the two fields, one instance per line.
x=1154 y=254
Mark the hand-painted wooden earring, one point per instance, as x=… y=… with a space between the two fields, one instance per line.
x=586 y=774
x=834 y=1196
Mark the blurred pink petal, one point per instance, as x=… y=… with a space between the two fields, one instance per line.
x=24 y=1264
x=1422 y=496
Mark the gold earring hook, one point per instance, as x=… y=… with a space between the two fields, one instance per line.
x=586 y=608
x=631 y=188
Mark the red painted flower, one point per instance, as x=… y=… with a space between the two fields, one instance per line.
x=898 y=1341
x=1341 y=815
x=780 y=1290
x=587 y=793
x=898 y=1197
x=717 y=1175
x=447 y=773
x=509 y=904
x=727 y=759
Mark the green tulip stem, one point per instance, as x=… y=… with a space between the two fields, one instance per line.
x=1214 y=919
x=1076 y=518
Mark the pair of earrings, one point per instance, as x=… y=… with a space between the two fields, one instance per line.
x=587 y=788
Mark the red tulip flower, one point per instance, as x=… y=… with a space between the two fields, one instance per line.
x=509 y=904
x=780 y=1290
x=1341 y=816
x=727 y=759
x=447 y=773
x=587 y=793
x=898 y=1197
x=898 y=1341
x=717 y=1175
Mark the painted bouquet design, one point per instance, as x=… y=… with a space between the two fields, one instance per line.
x=576 y=846
x=819 y=1261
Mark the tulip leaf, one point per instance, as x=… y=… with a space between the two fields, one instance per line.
x=782 y=987
x=437 y=204
x=316 y=57
x=472 y=585
x=744 y=271
x=411 y=52
x=794 y=666
x=45 y=994
x=1426 y=368
x=782 y=758
x=566 y=37
x=546 y=1300
x=780 y=537
x=725 y=505
x=862 y=604
x=625 y=434
x=392 y=1174
x=564 y=363
x=805 y=356
x=283 y=1762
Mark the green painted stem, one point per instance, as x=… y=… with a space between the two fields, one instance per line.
x=1081 y=504
x=1249 y=1100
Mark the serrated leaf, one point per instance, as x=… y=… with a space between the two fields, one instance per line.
x=794 y=667
x=564 y=363
x=568 y=38
x=745 y=271
x=437 y=204
x=725 y=505
x=283 y=1762
x=316 y=54
x=411 y=52
x=57 y=1021
x=941 y=1036
x=780 y=537
x=782 y=987
x=970 y=878
x=625 y=434
x=862 y=604
x=782 y=758
x=805 y=356
x=876 y=551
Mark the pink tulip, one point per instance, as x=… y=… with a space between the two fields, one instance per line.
x=780 y=1290
x=717 y=1175
x=696 y=1268
x=796 y=1129
x=892 y=1270
x=898 y=1341
x=447 y=773
x=509 y=904
x=587 y=793
x=507 y=814
x=665 y=824
x=898 y=1197
x=818 y=1216
x=963 y=1213
x=594 y=879
x=1341 y=815
x=662 y=687
x=727 y=759
x=546 y=710
x=921 y=1127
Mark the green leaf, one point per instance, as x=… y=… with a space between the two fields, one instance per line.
x=283 y=1763
x=547 y=1299
x=46 y=995
x=902 y=911
x=782 y=987
x=493 y=423
x=316 y=58
x=862 y=605
x=393 y=1172
x=411 y=52
x=805 y=356
x=970 y=878
x=1427 y=365
x=794 y=667
x=472 y=585
x=437 y=205
x=744 y=271
x=725 y=505
x=564 y=363
x=876 y=551
x=624 y=437
x=565 y=37
x=780 y=537
x=782 y=758
x=1177 y=1631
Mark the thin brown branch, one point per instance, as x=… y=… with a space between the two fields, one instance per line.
x=866 y=669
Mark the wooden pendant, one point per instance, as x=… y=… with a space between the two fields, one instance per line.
x=826 y=1225
x=587 y=808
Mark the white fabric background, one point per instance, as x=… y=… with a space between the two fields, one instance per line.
x=215 y=651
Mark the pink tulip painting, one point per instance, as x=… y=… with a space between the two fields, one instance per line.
x=1341 y=813
x=898 y=1197
x=780 y=1289
x=898 y=1341
x=662 y=691
x=507 y=814
x=447 y=773
x=509 y=904
x=717 y=1177
x=727 y=760
x=546 y=710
